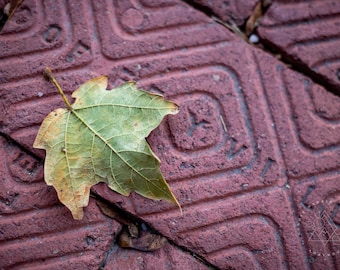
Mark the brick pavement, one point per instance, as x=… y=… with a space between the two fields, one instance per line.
x=233 y=11
x=307 y=34
x=253 y=156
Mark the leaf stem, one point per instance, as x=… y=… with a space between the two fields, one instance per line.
x=48 y=75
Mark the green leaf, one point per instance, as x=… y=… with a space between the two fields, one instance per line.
x=101 y=138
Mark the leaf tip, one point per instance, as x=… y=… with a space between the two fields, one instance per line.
x=176 y=108
x=36 y=144
x=176 y=202
x=77 y=213
x=131 y=82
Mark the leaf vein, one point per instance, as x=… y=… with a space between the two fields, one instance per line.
x=108 y=145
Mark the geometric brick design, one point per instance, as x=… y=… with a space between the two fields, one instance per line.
x=25 y=104
x=167 y=258
x=21 y=180
x=314 y=41
x=231 y=11
x=253 y=155
x=309 y=133
x=220 y=130
x=140 y=27
x=31 y=214
x=220 y=230
x=57 y=36
x=73 y=46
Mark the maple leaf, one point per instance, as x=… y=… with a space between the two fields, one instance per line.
x=101 y=138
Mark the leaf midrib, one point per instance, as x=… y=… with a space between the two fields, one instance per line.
x=122 y=105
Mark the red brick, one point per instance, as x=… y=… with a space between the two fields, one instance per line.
x=199 y=194
x=61 y=35
x=54 y=34
x=26 y=100
x=166 y=258
x=143 y=29
x=307 y=32
x=196 y=150
x=38 y=229
x=25 y=104
x=21 y=185
x=50 y=247
x=234 y=11
x=258 y=226
x=248 y=129
x=307 y=128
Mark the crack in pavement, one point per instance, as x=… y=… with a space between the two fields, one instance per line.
x=267 y=46
x=126 y=218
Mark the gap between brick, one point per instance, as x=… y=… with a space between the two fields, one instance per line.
x=269 y=47
x=22 y=148
x=124 y=217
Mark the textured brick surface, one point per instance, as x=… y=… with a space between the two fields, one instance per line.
x=307 y=32
x=55 y=37
x=234 y=11
x=253 y=231
x=167 y=258
x=76 y=42
x=220 y=134
x=309 y=132
x=143 y=29
x=304 y=117
x=253 y=155
x=38 y=232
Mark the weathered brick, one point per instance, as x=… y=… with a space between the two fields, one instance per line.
x=143 y=29
x=258 y=226
x=307 y=128
x=221 y=140
x=53 y=34
x=308 y=34
x=166 y=258
x=38 y=229
x=249 y=128
x=232 y=11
